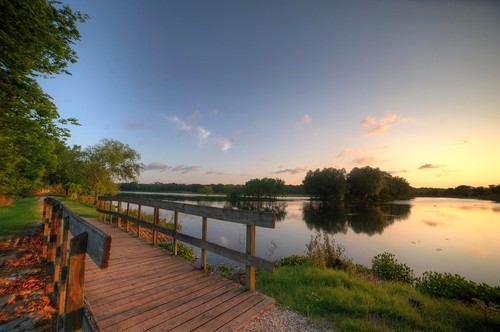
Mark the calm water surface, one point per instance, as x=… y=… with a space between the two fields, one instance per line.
x=429 y=234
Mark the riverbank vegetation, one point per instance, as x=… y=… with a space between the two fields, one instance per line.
x=333 y=292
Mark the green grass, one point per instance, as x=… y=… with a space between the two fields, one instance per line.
x=346 y=303
x=82 y=209
x=17 y=217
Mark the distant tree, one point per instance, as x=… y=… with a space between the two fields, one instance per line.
x=327 y=184
x=36 y=38
x=264 y=187
x=69 y=170
x=108 y=162
x=206 y=190
x=366 y=182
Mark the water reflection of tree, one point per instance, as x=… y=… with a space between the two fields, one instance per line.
x=276 y=207
x=323 y=216
x=336 y=218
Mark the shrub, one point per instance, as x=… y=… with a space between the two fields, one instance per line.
x=327 y=253
x=454 y=286
x=386 y=267
x=183 y=250
x=225 y=270
x=293 y=260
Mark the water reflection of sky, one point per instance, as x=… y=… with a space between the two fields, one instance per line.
x=429 y=234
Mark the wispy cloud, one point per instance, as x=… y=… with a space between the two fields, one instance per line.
x=155 y=166
x=430 y=166
x=183 y=169
x=402 y=171
x=379 y=126
x=203 y=134
x=364 y=160
x=344 y=153
x=304 y=120
x=296 y=170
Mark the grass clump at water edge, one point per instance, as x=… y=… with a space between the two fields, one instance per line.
x=349 y=303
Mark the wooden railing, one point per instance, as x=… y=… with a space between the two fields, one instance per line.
x=251 y=219
x=66 y=258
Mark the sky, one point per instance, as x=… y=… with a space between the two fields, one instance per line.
x=227 y=91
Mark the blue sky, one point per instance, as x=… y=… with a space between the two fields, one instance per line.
x=227 y=91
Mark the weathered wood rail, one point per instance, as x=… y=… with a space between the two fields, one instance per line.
x=66 y=260
x=251 y=219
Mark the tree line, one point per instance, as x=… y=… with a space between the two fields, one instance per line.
x=366 y=183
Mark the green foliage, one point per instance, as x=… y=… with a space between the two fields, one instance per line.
x=327 y=254
x=386 y=267
x=327 y=184
x=366 y=182
x=342 y=302
x=18 y=216
x=84 y=210
x=107 y=162
x=37 y=37
x=225 y=270
x=265 y=187
x=206 y=190
x=292 y=260
x=183 y=250
x=453 y=286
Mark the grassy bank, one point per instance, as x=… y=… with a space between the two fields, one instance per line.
x=343 y=302
x=18 y=216
x=84 y=210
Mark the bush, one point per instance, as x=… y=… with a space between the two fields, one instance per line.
x=454 y=286
x=225 y=270
x=183 y=250
x=386 y=267
x=327 y=253
x=293 y=260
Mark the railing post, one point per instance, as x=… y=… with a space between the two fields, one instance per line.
x=73 y=311
x=99 y=206
x=176 y=228
x=156 y=221
x=46 y=226
x=250 y=269
x=119 y=220
x=127 y=225
x=61 y=286
x=139 y=225
x=110 y=209
x=204 y=238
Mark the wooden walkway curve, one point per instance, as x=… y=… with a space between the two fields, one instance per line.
x=147 y=289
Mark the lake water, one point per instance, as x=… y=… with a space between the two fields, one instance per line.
x=459 y=236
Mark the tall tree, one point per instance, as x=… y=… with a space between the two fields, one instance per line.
x=36 y=38
x=108 y=162
x=328 y=184
x=366 y=182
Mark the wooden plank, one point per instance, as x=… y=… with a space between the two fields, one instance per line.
x=99 y=243
x=237 y=319
x=258 y=262
x=261 y=219
x=201 y=308
x=204 y=238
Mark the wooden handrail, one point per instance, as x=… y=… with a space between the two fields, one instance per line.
x=66 y=260
x=249 y=218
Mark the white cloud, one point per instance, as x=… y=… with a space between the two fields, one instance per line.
x=291 y=170
x=305 y=119
x=379 y=126
x=364 y=160
x=203 y=134
x=156 y=165
x=183 y=169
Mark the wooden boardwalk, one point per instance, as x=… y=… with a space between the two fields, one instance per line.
x=147 y=289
